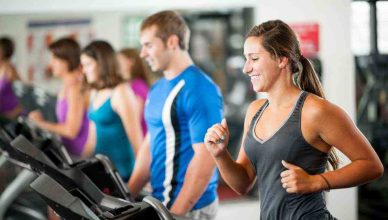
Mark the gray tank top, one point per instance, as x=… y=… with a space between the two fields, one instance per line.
x=288 y=144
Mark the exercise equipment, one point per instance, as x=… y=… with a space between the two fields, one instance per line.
x=73 y=195
x=11 y=199
x=99 y=168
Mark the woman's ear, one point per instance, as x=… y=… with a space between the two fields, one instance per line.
x=283 y=62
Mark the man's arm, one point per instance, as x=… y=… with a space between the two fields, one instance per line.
x=141 y=172
x=198 y=175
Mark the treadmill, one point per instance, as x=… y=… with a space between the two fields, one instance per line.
x=73 y=195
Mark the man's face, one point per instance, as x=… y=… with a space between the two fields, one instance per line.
x=154 y=51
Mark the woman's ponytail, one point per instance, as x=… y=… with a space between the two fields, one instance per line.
x=308 y=79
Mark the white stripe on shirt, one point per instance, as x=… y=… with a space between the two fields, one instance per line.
x=170 y=140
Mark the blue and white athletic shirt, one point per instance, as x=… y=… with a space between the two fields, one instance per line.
x=178 y=113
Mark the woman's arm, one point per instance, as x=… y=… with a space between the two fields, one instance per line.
x=124 y=103
x=338 y=130
x=91 y=141
x=74 y=116
x=140 y=107
x=9 y=71
x=14 y=74
x=334 y=127
x=240 y=174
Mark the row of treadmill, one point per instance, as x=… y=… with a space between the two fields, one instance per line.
x=87 y=189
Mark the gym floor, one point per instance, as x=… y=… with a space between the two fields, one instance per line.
x=232 y=206
x=244 y=208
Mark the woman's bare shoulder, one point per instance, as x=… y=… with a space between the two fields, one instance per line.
x=317 y=109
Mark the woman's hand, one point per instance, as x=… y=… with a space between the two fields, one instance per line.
x=36 y=116
x=216 y=138
x=296 y=180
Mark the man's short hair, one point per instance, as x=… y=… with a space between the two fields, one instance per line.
x=169 y=23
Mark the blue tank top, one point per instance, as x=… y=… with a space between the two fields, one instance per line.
x=288 y=144
x=111 y=138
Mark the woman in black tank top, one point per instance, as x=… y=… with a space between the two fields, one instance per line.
x=289 y=138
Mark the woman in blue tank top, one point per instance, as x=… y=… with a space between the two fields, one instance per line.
x=115 y=130
x=289 y=137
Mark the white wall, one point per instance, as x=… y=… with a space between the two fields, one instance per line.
x=53 y=6
x=13 y=26
x=333 y=17
x=106 y=26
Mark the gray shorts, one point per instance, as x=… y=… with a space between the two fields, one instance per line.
x=208 y=212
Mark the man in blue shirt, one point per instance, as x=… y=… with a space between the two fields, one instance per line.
x=180 y=107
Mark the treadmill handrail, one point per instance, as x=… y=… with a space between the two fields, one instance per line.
x=113 y=172
x=24 y=146
x=47 y=187
x=11 y=154
x=71 y=177
x=159 y=207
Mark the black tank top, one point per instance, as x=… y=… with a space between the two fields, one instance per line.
x=288 y=144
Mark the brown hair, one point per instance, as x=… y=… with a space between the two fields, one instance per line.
x=68 y=50
x=280 y=41
x=7 y=47
x=169 y=23
x=138 y=69
x=108 y=74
